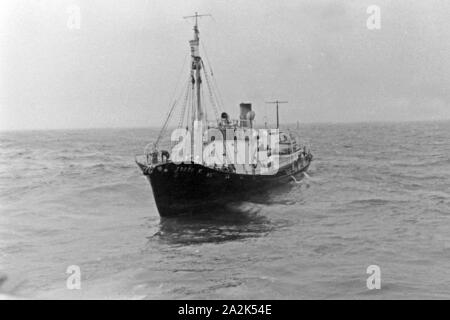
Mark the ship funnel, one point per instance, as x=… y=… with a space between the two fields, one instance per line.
x=245 y=109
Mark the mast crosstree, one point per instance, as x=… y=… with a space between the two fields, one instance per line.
x=196 y=16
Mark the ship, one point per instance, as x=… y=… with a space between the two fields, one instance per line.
x=214 y=162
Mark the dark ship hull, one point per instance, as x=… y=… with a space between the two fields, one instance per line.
x=185 y=189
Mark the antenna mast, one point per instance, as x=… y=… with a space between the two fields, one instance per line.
x=278 y=117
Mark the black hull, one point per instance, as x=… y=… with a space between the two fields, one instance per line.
x=183 y=189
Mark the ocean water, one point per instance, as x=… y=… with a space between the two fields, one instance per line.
x=377 y=194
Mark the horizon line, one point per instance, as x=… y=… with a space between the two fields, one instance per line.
x=290 y=123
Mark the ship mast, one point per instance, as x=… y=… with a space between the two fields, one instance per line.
x=196 y=67
x=278 y=116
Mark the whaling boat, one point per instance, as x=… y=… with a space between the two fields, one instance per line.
x=212 y=163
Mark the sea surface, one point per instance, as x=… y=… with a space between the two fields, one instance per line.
x=376 y=194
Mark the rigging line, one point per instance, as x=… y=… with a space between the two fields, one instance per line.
x=165 y=125
x=189 y=104
x=205 y=72
x=180 y=77
x=163 y=129
x=181 y=115
x=180 y=98
x=202 y=94
x=207 y=58
x=211 y=93
x=217 y=104
x=186 y=93
x=167 y=121
x=218 y=94
x=212 y=75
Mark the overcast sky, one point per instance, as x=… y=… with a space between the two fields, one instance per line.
x=121 y=67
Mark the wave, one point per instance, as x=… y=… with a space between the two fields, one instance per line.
x=370 y=202
x=421 y=164
x=119 y=187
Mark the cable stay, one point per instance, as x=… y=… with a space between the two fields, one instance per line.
x=214 y=84
x=161 y=133
x=169 y=114
x=212 y=97
x=185 y=102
